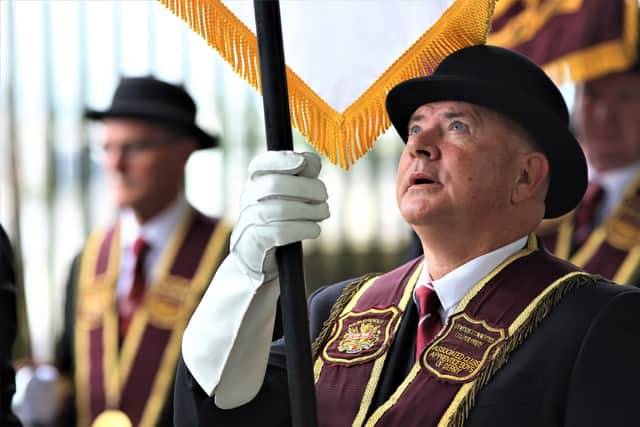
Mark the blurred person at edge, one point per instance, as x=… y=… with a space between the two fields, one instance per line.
x=603 y=234
x=133 y=286
x=8 y=330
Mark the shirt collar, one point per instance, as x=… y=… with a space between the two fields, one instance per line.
x=154 y=231
x=453 y=286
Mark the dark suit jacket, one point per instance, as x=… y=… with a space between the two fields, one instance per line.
x=580 y=367
x=8 y=330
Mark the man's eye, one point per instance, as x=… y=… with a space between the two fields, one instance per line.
x=457 y=126
x=628 y=97
x=137 y=146
x=414 y=130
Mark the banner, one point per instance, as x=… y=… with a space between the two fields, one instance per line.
x=342 y=56
x=573 y=40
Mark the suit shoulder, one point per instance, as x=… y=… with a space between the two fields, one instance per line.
x=326 y=296
x=587 y=301
x=322 y=301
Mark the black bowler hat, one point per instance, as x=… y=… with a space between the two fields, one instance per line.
x=511 y=84
x=160 y=102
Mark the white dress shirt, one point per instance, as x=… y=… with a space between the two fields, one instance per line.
x=155 y=232
x=453 y=286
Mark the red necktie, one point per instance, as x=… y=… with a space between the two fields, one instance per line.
x=585 y=214
x=429 y=324
x=132 y=301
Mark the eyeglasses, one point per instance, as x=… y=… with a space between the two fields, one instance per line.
x=130 y=149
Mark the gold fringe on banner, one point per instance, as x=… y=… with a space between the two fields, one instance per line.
x=342 y=137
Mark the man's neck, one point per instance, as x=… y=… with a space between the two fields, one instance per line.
x=444 y=252
x=155 y=230
x=146 y=214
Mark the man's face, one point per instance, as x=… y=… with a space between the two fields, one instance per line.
x=145 y=164
x=458 y=165
x=607 y=120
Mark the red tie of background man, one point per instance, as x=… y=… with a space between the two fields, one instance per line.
x=132 y=301
x=586 y=212
x=429 y=324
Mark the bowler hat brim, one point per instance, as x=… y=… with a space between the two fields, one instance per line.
x=159 y=113
x=568 y=174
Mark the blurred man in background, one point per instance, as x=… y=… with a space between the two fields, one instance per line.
x=136 y=282
x=603 y=234
x=592 y=44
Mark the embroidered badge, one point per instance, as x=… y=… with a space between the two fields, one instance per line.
x=166 y=302
x=93 y=302
x=463 y=349
x=359 y=337
x=623 y=229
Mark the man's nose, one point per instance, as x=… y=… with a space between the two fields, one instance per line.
x=601 y=109
x=115 y=159
x=425 y=144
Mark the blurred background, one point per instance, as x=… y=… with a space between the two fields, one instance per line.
x=58 y=57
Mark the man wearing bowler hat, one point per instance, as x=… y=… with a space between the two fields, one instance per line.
x=133 y=287
x=485 y=329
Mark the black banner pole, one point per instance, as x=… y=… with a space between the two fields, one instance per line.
x=293 y=298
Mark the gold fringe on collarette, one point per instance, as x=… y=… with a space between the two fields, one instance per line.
x=466 y=401
x=583 y=64
x=342 y=137
x=345 y=297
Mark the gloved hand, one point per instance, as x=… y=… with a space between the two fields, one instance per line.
x=282 y=203
x=40 y=394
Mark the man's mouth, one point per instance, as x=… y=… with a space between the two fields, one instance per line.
x=421 y=179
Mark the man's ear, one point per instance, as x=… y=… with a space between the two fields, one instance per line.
x=187 y=145
x=532 y=179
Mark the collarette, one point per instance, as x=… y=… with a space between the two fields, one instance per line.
x=453 y=286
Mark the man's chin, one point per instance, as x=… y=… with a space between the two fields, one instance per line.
x=124 y=201
x=418 y=218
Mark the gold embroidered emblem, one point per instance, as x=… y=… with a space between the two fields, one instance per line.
x=361 y=335
x=623 y=228
x=463 y=349
x=165 y=302
x=93 y=302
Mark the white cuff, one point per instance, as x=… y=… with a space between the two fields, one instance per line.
x=226 y=343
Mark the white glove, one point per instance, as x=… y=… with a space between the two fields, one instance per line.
x=282 y=203
x=226 y=343
x=40 y=394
